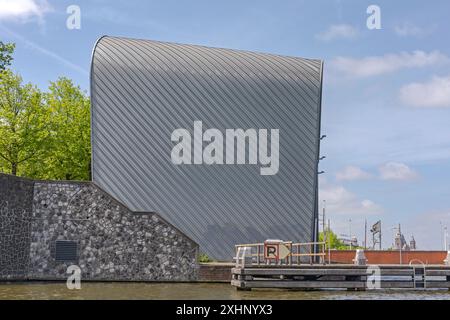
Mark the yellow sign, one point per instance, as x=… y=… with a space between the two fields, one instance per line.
x=283 y=251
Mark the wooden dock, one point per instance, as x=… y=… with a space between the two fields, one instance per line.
x=351 y=277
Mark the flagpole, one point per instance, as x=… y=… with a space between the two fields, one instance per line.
x=380 y=236
x=365 y=234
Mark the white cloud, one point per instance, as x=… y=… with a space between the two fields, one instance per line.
x=339 y=31
x=377 y=65
x=396 y=171
x=23 y=10
x=352 y=173
x=345 y=210
x=434 y=93
x=342 y=202
x=409 y=30
x=368 y=204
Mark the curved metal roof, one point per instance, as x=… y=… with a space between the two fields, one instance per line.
x=143 y=90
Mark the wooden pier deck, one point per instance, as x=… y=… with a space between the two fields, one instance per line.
x=350 y=277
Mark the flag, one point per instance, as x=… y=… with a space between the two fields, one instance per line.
x=376 y=227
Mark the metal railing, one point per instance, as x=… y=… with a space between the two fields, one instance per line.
x=300 y=253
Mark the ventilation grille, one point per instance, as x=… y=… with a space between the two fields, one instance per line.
x=66 y=250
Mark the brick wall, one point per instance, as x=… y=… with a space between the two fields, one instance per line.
x=215 y=272
x=390 y=257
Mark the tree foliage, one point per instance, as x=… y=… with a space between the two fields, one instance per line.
x=44 y=135
x=24 y=123
x=69 y=157
x=203 y=258
x=332 y=240
x=6 y=51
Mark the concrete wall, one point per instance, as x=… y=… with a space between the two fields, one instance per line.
x=113 y=242
x=390 y=257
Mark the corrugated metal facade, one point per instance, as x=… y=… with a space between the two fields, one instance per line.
x=143 y=90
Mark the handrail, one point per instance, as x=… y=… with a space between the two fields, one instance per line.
x=297 y=250
x=420 y=261
x=290 y=242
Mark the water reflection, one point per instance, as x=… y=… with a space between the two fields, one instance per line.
x=120 y=290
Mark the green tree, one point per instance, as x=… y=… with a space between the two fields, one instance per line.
x=203 y=258
x=332 y=240
x=70 y=150
x=24 y=123
x=43 y=136
x=6 y=51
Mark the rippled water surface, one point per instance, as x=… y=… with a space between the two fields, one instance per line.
x=109 y=290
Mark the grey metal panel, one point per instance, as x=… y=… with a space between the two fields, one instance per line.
x=143 y=90
x=66 y=250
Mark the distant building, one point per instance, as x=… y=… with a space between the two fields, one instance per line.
x=400 y=242
x=353 y=241
x=412 y=243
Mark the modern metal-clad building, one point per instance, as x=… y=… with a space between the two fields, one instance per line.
x=223 y=144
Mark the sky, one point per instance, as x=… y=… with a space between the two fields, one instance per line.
x=386 y=91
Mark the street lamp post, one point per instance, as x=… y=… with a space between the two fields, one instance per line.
x=323 y=222
x=401 y=244
x=350 y=234
x=445 y=238
x=444 y=235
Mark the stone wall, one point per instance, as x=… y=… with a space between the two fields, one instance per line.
x=113 y=243
x=16 y=196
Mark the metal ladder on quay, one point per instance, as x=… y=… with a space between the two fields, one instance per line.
x=419 y=276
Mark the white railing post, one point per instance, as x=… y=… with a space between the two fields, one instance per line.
x=360 y=258
x=447 y=259
x=243 y=257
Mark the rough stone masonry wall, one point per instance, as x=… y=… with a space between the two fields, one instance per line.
x=114 y=243
x=15 y=210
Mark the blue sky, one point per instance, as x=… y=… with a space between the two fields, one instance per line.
x=386 y=95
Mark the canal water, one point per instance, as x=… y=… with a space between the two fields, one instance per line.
x=200 y=291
